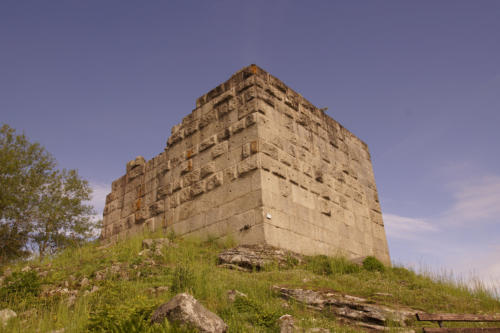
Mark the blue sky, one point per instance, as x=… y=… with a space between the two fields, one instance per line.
x=99 y=82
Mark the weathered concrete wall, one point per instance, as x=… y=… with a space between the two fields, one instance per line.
x=257 y=161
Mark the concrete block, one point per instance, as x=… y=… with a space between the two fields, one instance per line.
x=248 y=164
x=219 y=149
x=211 y=141
x=197 y=188
x=207 y=170
x=214 y=181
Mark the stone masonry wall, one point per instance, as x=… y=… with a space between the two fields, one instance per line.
x=256 y=161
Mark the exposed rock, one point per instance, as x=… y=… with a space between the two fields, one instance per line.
x=6 y=315
x=115 y=269
x=150 y=252
x=256 y=257
x=91 y=291
x=235 y=267
x=233 y=293
x=59 y=292
x=154 y=246
x=71 y=301
x=185 y=309
x=286 y=323
x=100 y=275
x=84 y=282
x=157 y=290
x=43 y=274
x=353 y=309
x=161 y=289
x=7 y=273
x=62 y=330
x=155 y=243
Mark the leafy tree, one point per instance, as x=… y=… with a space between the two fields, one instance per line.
x=41 y=207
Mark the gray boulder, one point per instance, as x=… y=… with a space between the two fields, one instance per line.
x=185 y=309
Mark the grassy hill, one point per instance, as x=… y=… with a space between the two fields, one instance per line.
x=98 y=288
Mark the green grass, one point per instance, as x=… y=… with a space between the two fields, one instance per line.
x=122 y=303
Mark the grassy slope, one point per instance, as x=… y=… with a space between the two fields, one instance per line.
x=191 y=266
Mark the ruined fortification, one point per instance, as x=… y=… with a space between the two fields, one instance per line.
x=257 y=161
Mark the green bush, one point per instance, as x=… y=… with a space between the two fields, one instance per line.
x=21 y=284
x=372 y=264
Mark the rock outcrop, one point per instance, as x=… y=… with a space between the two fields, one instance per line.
x=154 y=246
x=353 y=310
x=256 y=257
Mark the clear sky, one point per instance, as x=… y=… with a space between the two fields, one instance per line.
x=99 y=82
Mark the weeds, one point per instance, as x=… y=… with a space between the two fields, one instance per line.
x=183 y=279
x=324 y=265
x=124 y=305
x=20 y=284
x=257 y=314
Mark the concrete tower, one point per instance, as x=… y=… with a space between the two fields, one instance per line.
x=257 y=161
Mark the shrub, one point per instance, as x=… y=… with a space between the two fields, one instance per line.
x=372 y=264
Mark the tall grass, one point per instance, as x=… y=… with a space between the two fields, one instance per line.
x=124 y=300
